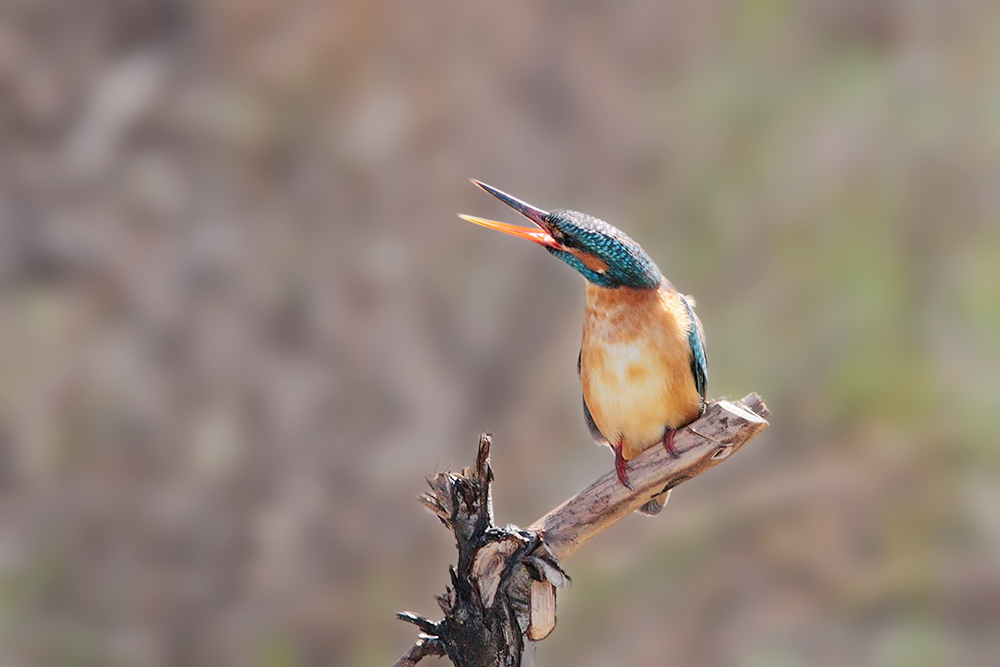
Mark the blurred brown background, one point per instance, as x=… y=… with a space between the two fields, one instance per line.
x=239 y=321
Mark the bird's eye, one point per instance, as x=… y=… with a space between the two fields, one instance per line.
x=567 y=241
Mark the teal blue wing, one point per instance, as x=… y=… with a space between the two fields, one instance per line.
x=699 y=357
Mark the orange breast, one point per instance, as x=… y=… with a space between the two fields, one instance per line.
x=636 y=365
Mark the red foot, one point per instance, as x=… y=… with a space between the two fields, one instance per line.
x=668 y=443
x=620 y=464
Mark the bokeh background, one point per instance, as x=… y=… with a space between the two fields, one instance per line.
x=240 y=322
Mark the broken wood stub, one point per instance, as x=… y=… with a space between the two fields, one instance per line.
x=502 y=591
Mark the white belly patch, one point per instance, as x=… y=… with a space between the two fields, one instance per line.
x=627 y=395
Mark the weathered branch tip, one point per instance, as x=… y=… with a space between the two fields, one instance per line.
x=503 y=594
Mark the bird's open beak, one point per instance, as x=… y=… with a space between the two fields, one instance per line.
x=540 y=236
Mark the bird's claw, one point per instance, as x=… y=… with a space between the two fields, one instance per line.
x=668 y=443
x=621 y=467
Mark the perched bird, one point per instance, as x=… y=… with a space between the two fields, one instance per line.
x=642 y=361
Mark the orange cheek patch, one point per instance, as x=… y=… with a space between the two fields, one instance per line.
x=590 y=261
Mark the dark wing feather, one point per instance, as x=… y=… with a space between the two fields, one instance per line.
x=699 y=358
x=595 y=432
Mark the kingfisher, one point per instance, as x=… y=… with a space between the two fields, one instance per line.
x=642 y=364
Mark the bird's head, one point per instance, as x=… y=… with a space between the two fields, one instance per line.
x=602 y=253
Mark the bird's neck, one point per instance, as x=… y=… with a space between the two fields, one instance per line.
x=621 y=311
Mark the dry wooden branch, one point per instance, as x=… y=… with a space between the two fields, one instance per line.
x=723 y=429
x=502 y=597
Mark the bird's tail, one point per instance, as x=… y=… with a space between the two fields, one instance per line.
x=655 y=506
